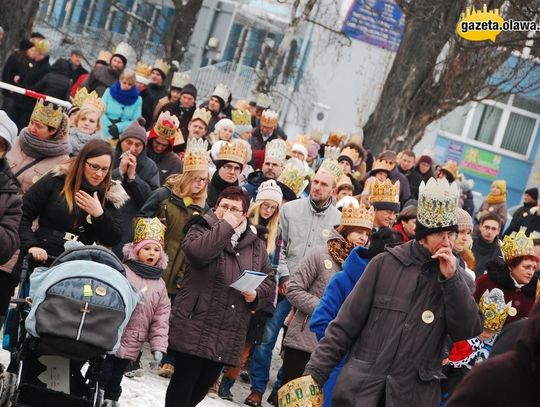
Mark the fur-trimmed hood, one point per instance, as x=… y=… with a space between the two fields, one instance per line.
x=116 y=194
x=499 y=273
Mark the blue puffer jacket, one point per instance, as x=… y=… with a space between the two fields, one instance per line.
x=122 y=115
x=334 y=296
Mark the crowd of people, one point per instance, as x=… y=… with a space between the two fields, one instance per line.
x=388 y=283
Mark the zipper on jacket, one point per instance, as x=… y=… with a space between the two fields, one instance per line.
x=84 y=311
x=194 y=308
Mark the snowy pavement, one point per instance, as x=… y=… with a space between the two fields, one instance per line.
x=150 y=389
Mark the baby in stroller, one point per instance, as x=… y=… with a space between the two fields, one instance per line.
x=144 y=264
x=77 y=311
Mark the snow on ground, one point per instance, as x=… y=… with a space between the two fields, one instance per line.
x=150 y=389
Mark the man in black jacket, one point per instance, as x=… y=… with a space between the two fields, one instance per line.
x=407 y=161
x=486 y=245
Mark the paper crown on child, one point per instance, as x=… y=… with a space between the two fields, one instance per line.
x=84 y=99
x=203 y=115
x=166 y=126
x=149 y=229
x=301 y=392
x=381 y=165
x=357 y=216
x=276 y=150
x=196 y=157
x=495 y=309
x=437 y=207
x=350 y=154
x=517 y=244
x=384 y=195
x=269 y=118
x=241 y=117
x=47 y=114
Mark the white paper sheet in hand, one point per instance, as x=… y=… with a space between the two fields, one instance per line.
x=249 y=281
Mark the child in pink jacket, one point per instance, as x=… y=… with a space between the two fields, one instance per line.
x=144 y=264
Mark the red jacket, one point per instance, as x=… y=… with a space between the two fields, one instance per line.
x=399 y=227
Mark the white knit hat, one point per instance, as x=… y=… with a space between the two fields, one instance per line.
x=224 y=124
x=8 y=129
x=300 y=148
x=269 y=190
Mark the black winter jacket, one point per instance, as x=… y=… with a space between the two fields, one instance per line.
x=56 y=83
x=10 y=212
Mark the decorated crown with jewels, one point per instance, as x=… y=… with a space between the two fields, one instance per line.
x=47 y=114
x=494 y=308
x=384 y=191
x=517 y=244
x=294 y=176
x=437 y=203
x=241 y=117
x=269 y=118
x=276 y=150
x=235 y=152
x=82 y=97
x=196 y=157
x=357 y=216
x=332 y=166
x=161 y=65
x=203 y=115
x=166 y=126
x=148 y=229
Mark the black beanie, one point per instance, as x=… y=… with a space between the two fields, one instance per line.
x=346 y=158
x=25 y=45
x=190 y=90
x=533 y=192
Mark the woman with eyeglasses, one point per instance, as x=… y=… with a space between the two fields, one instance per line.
x=209 y=319
x=75 y=201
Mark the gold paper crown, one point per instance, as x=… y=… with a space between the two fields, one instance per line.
x=104 y=56
x=203 y=115
x=344 y=180
x=235 y=152
x=180 y=79
x=241 y=117
x=494 y=308
x=293 y=176
x=162 y=66
x=517 y=244
x=143 y=69
x=47 y=114
x=301 y=392
x=331 y=153
x=381 y=165
x=149 y=229
x=332 y=166
x=384 y=191
x=269 y=118
x=42 y=46
x=81 y=96
x=358 y=216
x=276 y=150
x=196 y=157
x=452 y=167
x=437 y=203
x=335 y=137
x=222 y=91
x=166 y=126
x=350 y=153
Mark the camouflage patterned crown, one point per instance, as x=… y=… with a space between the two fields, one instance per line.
x=293 y=176
x=437 y=204
x=203 y=115
x=332 y=166
x=166 y=126
x=269 y=118
x=161 y=65
x=148 y=229
x=276 y=150
x=357 y=216
x=517 y=244
x=384 y=191
x=196 y=157
x=241 y=117
x=235 y=152
x=47 y=114
x=494 y=308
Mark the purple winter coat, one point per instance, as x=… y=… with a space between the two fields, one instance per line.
x=150 y=320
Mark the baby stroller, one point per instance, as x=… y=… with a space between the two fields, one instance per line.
x=76 y=313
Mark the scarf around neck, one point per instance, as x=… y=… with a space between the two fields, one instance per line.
x=322 y=208
x=144 y=270
x=339 y=249
x=496 y=199
x=124 y=97
x=238 y=232
x=36 y=147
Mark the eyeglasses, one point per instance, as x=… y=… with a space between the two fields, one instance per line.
x=230 y=167
x=441 y=235
x=204 y=180
x=269 y=206
x=230 y=208
x=96 y=168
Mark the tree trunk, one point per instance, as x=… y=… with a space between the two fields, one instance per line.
x=429 y=25
x=16 y=18
x=177 y=39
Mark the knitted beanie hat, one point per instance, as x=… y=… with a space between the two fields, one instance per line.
x=425 y=159
x=135 y=130
x=464 y=220
x=269 y=190
x=501 y=184
x=532 y=192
